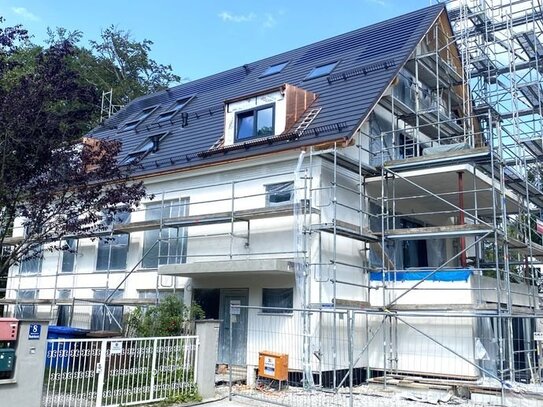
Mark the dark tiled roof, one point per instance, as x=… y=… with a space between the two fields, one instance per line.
x=369 y=59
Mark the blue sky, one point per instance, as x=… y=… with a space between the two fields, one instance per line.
x=199 y=38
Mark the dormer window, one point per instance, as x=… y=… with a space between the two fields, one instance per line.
x=265 y=114
x=150 y=145
x=257 y=122
x=141 y=116
x=173 y=109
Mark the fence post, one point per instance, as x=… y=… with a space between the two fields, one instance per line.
x=153 y=370
x=101 y=373
x=350 y=333
x=230 y=355
x=208 y=338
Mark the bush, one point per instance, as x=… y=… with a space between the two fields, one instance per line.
x=169 y=318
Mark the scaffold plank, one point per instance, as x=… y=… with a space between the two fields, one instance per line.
x=458 y=156
x=209 y=218
x=436 y=232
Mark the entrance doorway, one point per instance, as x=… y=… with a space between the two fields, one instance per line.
x=239 y=327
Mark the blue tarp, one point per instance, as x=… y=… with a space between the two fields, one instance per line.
x=65 y=332
x=417 y=275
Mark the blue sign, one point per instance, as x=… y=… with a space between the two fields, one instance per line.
x=34 y=331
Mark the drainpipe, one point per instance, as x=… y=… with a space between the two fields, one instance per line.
x=301 y=267
x=461 y=218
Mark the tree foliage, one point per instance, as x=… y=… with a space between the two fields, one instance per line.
x=169 y=318
x=116 y=61
x=53 y=184
x=124 y=65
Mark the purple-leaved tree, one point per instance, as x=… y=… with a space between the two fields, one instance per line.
x=54 y=183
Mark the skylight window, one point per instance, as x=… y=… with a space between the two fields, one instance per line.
x=273 y=69
x=173 y=110
x=321 y=70
x=141 y=116
x=150 y=145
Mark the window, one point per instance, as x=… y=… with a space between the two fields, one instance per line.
x=141 y=116
x=150 y=145
x=26 y=311
x=151 y=294
x=173 y=110
x=171 y=247
x=277 y=298
x=279 y=194
x=255 y=123
x=33 y=263
x=321 y=70
x=68 y=255
x=64 y=311
x=112 y=252
x=273 y=69
x=107 y=317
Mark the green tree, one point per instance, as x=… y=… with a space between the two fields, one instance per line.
x=169 y=318
x=119 y=62
x=116 y=62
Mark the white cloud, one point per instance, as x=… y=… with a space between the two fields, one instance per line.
x=24 y=13
x=379 y=2
x=269 y=21
x=236 y=18
x=266 y=20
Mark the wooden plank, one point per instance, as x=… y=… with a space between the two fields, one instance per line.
x=13 y=240
x=442 y=307
x=437 y=231
x=209 y=218
x=458 y=155
x=349 y=230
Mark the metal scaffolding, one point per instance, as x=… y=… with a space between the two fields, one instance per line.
x=443 y=180
x=461 y=165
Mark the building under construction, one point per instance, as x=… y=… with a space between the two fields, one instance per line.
x=373 y=193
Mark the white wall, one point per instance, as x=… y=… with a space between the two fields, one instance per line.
x=277 y=98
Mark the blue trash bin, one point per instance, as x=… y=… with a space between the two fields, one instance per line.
x=59 y=354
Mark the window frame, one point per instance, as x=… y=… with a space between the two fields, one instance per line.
x=63 y=310
x=162 y=293
x=99 y=311
x=111 y=245
x=142 y=115
x=183 y=205
x=254 y=112
x=22 y=309
x=173 y=110
x=38 y=261
x=139 y=153
x=269 y=193
x=66 y=253
x=283 y=65
x=312 y=75
x=288 y=310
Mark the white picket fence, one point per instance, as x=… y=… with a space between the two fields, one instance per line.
x=120 y=371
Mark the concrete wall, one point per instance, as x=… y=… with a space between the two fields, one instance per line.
x=208 y=337
x=210 y=191
x=25 y=388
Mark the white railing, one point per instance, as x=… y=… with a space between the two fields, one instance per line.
x=119 y=371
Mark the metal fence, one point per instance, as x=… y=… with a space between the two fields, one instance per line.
x=120 y=371
x=377 y=358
